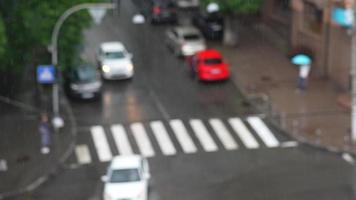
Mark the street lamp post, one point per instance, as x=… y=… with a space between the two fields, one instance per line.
x=57 y=120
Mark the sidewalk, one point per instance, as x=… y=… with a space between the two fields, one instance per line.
x=26 y=168
x=265 y=76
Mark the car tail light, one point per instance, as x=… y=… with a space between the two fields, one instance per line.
x=156 y=9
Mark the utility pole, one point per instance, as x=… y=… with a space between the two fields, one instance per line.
x=349 y=4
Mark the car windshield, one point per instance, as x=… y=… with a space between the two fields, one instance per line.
x=165 y=4
x=191 y=37
x=212 y=61
x=84 y=74
x=125 y=175
x=114 y=55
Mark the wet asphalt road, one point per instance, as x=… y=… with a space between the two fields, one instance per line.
x=163 y=90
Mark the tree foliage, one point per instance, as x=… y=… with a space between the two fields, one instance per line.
x=3 y=39
x=237 y=6
x=29 y=25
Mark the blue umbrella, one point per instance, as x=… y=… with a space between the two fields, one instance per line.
x=343 y=17
x=301 y=59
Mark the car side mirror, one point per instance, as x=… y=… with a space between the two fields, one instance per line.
x=130 y=55
x=104 y=178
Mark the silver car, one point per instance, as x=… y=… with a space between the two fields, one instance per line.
x=114 y=61
x=185 y=40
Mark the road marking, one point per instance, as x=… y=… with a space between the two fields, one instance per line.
x=348 y=158
x=3 y=165
x=142 y=140
x=223 y=134
x=263 y=131
x=203 y=135
x=289 y=144
x=101 y=143
x=182 y=136
x=83 y=154
x=244 y=134
x=121 y=140
x=162 y=137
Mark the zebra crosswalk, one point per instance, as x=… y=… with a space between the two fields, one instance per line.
x=167 y=138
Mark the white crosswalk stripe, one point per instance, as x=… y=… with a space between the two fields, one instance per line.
x=183 y=137
x=83 y=154
x=121 y=139
x=202 y=130
x=203 y=135
x=263 y=131
x=244 y=134
x=101 y=143
x=142 y=140
x=162 y=137
x=223 y=134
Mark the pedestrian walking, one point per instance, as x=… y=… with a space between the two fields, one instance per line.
x=44 y=131
x=303 y=76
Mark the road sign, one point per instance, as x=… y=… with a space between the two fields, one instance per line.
x=97 y=14
x=46 y=74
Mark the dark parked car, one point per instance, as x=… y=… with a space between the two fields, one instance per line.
x=210 y=24
x=158 y=11
x=83 y=82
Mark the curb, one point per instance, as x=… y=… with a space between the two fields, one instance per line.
x=55 y=170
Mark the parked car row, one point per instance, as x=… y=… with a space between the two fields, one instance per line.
x=162 y=11
x=205 y=64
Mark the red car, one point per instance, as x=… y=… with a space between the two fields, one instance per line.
x=208 y=65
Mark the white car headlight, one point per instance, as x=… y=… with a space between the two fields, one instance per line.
x=108 y=197
x=140 y=195
x=105 y=68
x=74 y=86
x=130 y=67
x=97 y=84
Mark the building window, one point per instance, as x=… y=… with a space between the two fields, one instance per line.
x=313 y=18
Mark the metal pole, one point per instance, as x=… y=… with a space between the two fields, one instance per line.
x=353 y=85
x=54 y=43
x=353 y=78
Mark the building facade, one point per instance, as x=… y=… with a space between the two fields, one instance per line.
x=311 y=27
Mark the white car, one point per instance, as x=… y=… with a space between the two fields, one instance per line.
x=127 y=178
x=114 y=61
x=185 y=40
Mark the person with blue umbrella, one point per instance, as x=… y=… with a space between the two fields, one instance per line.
x=304 y=62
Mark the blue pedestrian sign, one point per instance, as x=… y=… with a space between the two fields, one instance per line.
x=46 y=74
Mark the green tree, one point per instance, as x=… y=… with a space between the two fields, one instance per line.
x=29 y=25
x=3 y=39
